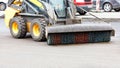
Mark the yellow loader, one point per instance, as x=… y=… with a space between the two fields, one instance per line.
x=54 y=21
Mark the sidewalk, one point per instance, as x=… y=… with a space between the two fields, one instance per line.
x=106 y=15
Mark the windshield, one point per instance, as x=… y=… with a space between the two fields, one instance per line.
x=59 y=7
x=56 y=2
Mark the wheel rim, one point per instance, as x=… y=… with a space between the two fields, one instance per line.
x=36 y=30
x=107 y=7
x=2 y=6
x=15 y=27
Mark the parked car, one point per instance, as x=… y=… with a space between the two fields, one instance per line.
x=3 y=4
x=108 y=5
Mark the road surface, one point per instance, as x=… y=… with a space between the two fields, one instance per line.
x=26 y=53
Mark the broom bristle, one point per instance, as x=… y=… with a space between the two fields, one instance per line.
x=79 y=37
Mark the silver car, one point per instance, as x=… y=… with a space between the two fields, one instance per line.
x=109 y=5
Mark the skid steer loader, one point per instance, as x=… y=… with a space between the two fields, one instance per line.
x=52 y=20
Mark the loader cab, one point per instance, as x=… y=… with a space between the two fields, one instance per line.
x=59 y=7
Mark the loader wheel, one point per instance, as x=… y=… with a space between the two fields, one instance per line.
x=37 y=30
x=18 y=27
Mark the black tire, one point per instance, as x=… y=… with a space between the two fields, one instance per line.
x=2 y=6
x=37 y=30
x=117 y=10
x=18 y=27
x=82 y=13
x=107 y=7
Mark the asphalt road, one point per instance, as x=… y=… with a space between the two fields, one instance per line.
x=26 y=53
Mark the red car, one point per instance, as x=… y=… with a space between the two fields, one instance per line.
x=82 y=2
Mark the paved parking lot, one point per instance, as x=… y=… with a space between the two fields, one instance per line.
x=26 y=53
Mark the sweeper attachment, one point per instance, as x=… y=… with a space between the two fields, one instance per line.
x=79 y=33
x=54 y=20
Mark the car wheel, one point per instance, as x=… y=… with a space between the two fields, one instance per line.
x=2 y=6
x=82 y=13
x=117 y=10
x=107 y=7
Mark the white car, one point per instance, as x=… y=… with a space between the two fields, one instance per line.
x=2 y=7
x=3 y=4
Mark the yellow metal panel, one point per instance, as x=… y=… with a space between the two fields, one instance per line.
x=28 y=26
x=9 y=14
x=38 y=3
